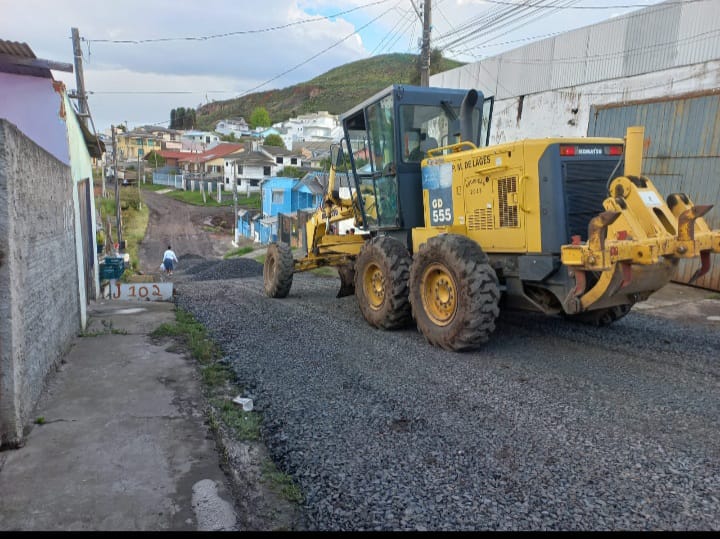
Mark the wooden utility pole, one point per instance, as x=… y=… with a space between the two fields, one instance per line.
x=425 y=54
x=79 y=78
x=117 y=187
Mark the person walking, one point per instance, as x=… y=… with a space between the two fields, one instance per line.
x=169 y=260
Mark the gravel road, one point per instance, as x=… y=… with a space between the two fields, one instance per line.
x=551 y=426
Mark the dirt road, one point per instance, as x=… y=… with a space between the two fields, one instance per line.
x=193 y=231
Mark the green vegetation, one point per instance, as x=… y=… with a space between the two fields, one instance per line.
x=244 y=425
x=40 y=420
x=238 y=252
x=281 y=483
x=252 y=202
x=292 y=172
x=133 y=218
x=259 y=118
x=196 y=198
x=153 y=186
x=274 y=140
x=182 y=118
x=335 y=91
x=192 y=334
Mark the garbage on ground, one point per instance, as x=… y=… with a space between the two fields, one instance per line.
x=247 y=404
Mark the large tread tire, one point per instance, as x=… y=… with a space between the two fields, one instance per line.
x=601 y=317
x=381 y=277
x=278 y=270
x=454 y=293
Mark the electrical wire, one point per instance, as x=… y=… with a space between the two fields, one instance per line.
x=335 y=44
x=229 y=34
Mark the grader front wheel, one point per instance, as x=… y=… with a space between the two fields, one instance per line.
x=278 y=270
x=381 y=274
x=454 y=293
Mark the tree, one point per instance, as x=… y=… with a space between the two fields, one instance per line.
x=182 y=118
x=274 y=140
x=436 y=58
x=259 y=118
x=228 y=138
x=292 y=172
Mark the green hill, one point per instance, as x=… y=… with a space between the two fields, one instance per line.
x=335 y=91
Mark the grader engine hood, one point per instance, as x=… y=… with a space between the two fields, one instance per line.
x=635 y=244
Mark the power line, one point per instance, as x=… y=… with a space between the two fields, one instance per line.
x=616 y=6
x=229 y=34
x=401 y=20
x=318 y=54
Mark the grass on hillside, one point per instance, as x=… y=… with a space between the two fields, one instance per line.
x=335 y=91
x=196 y=198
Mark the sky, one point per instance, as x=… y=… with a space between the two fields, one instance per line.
x=143 y=58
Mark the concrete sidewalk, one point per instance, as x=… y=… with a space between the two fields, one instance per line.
x=120 y=442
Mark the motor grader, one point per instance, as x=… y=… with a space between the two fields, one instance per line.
x=450 y=230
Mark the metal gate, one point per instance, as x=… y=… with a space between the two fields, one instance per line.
x=682 y=154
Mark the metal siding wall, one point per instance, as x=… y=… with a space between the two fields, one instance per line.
x=651 y=40
x=683 y=156
x=660 y=37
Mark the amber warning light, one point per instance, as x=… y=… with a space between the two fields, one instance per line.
x=572 y=150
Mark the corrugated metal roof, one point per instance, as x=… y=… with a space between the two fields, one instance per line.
x=11 y=50
x=18 y=58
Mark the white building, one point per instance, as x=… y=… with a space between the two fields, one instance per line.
x=199 y=141
x=315 y=126
x=233 y=126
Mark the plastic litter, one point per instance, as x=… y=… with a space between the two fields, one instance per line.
x=247 y=404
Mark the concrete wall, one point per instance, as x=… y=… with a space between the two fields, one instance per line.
x=39 y=306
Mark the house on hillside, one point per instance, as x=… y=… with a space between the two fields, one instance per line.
x=199 y=141
x=282 y=156
x=318 y=126
x=312 y=152
x=237 y=127
x=210 y=163
x=48 y=251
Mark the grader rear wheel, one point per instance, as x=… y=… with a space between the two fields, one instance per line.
x=381 y=274
x=454 y=293
x=278 y=270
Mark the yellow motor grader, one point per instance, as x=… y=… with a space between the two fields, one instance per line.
x=450 y=230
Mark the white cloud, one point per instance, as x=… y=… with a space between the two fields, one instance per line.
x=192 y=60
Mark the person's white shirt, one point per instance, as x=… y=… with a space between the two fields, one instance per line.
x=170 y=254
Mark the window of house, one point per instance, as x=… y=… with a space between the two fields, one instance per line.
x=279 y=160
x=278 y=196
x=254 y=183
x=266 y=171
x=293 y=160
x=239 y=169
